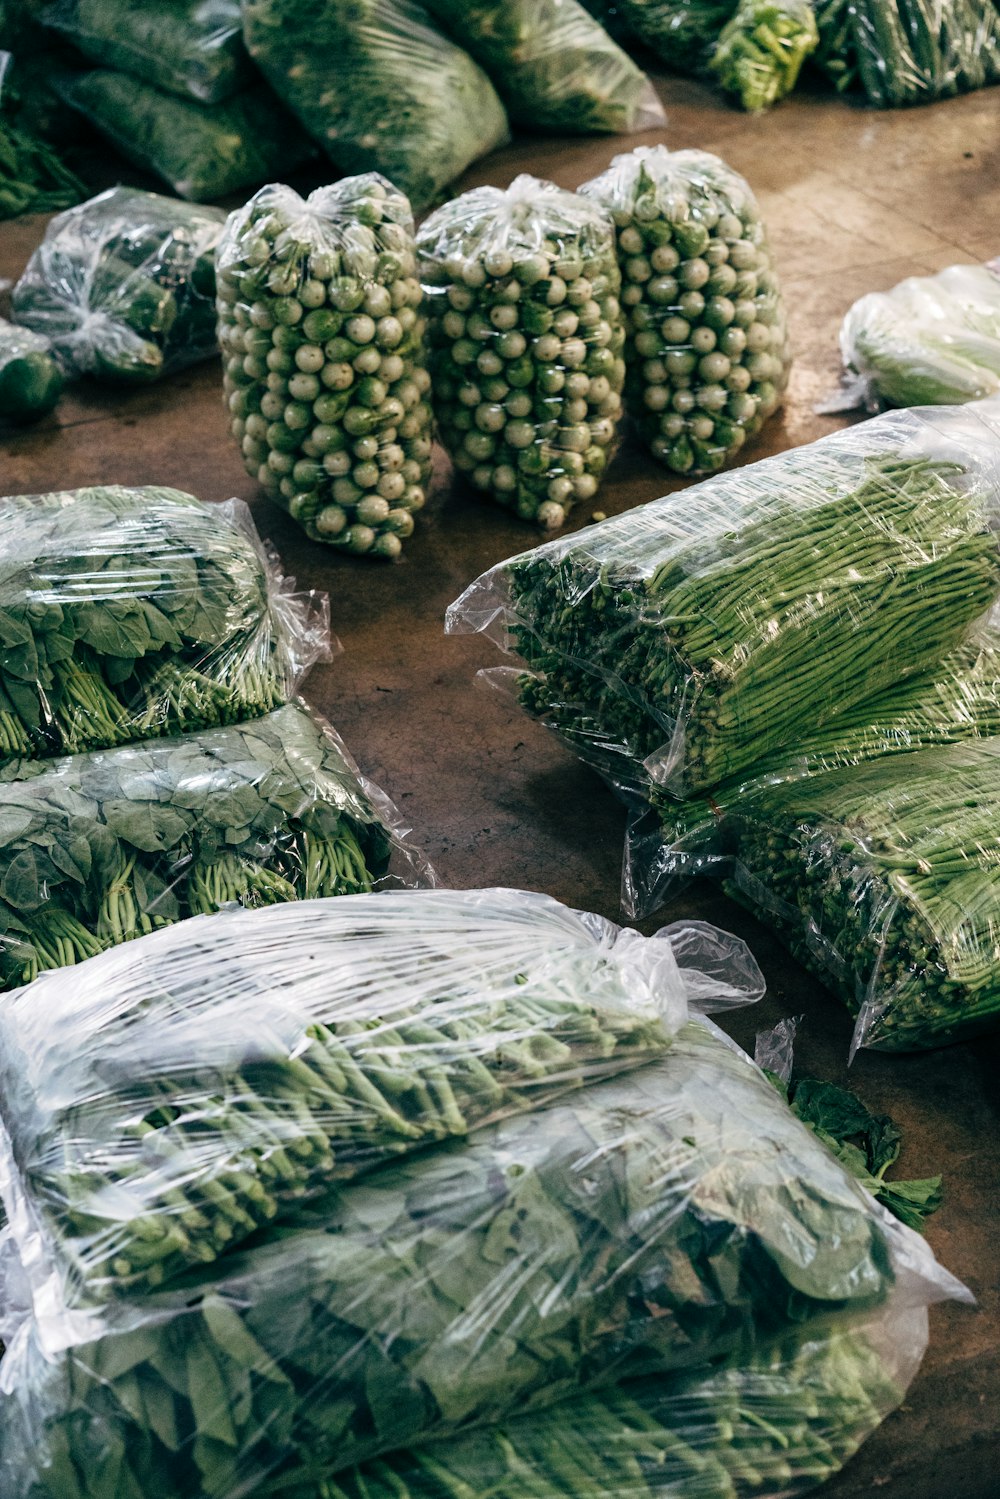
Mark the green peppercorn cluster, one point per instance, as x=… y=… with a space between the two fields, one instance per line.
x=322 y=335
x=526 y=341
x=707 y=345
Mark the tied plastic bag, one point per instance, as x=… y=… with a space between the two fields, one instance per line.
x=555 y=66
x=103 y=847
x=123 y=286
x=215 y=1075
x=761 y=49
x=201 y=151
x=707 y=346
x=692 y=638
x=30 y=380
x=379 y=87
x=126 y=613
x=193 y=48
x=647 y=1225
x=526 y=339
x=322 y=333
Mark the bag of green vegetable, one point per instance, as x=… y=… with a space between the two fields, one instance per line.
x=379 y=87
x=127 y=613
x=645 y=1225
x=322 y=334
x=526 y=339
x=901 y=52
x=931 y=340
x=761 y=49
x=681 y=33
x=109 y=845
x=554 y=65
x=239 y=1063
x=30 y=380
x=33 y=176
x=697 y=635
x=707 y=347
x=193 y=48
x=123 y=286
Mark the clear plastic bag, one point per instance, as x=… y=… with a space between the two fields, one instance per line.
x=643 y=1225
x=127 y=613
x=698 y=634
x=30 y=380
x=526 y=339
x=707 y=347
x=102 y=847
x=555 y=66
x=909 y=51
x=189 y=47
x=761 y=49
x=379 y=87
x=123 y=286
x=322 y=332
x=201 y=151
x=682 y=33
x=214 y=1075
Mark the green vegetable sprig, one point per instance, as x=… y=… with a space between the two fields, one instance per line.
x=30 y=380
x=322 y=331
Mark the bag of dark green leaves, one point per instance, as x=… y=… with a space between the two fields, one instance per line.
x=123 y=286
x=648 y=1225
x=129 y=613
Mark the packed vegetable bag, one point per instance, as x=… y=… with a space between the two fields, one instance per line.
x=109 y=845
x=187 y=47
x=760 y=51
x=201 y=151
x=35 y=177
x=127 y=613
x=238 y=1063
x=322 y=332
x=707 y=348
x=900 y=52
x=931 y=340
x=526 y=340
x=123 y=286
x=681 y=33
x=710 y=629
x=31 y=381
x=643 y=1225
x=379 y=87
x=554 y=65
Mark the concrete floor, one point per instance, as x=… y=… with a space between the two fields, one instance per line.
x=854 y=201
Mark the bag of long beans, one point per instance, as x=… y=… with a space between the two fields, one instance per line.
x=236 y=1064
x=127 y=613
x=102 y=847
x=900 y=52
x=696 y=636
x=649 y=1224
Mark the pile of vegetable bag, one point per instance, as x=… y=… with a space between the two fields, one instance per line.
x=931 y=340
x=30 y=380
x=690 y=639
x=127 y=613
x=642 y=1228
x=109 y=845
x=379 y=87
x=123 y=286
x=325 y=376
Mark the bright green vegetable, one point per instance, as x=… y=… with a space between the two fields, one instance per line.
x=30 y=380
x=555 y=67
x=378 y=87
x=707 y=346
x=761 y=49
x=526 y=341
x=322 y=332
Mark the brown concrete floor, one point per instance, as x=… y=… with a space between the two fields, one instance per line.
x=854 y=200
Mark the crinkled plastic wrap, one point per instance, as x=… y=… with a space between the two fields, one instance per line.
x=215 y=1074
x=193 y=48
x=681 y=33
x=31 y=381
x=931 y=340
x=322 y=332
x=526 y=340
x=126 y=613
x=901 y=52
x=704 y=631
x=643 y=1225
x=379 y=87
x=201 y=151
x=123 y=286
x=102 y=847
x=554 y=65
x=707 y=347
x=761 y=49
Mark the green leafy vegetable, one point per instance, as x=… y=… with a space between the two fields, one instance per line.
x=680 y=32
x=30 y=380
x=761 y=49
x=33 y=176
